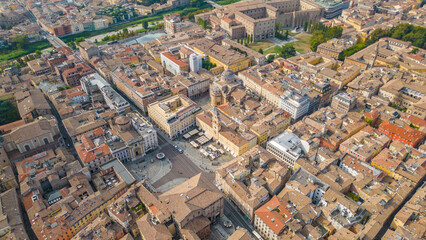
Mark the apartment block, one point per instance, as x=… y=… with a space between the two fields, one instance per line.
x=173 y=115
x=88 y=50
x=172 y=23
x=405 y=134
x=287 y=147
x=295 y=103
x=343 y=102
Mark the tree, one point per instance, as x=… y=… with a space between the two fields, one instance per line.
x=322 y=33
x=316 y=40
x=159 y=26
x=309 y=25
x=286 y=51
x=286 y=34
x=145 y=25
x=202 y=23
x=305 y=26
x=8 y=113
x=260 y=51
x=21 y=41
x=414 y=51
x=208 y=65
x=38 y=52
x=270 y=58
x=80 y=39
x=96 y=40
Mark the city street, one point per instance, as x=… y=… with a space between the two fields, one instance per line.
x=236 y=217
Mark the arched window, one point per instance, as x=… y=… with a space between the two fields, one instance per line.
x=46 y=141
x=27 y=147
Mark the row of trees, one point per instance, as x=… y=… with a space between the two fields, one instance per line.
x=307 y=26
x=405 y=32
x=193 y=3
x=278 y=32
x=125 y=33
x=20 y=41
x=190 y=14
x=73 y=44
x=322 y=33
x=246 y=40
x=150 y=2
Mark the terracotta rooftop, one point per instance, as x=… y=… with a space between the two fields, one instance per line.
x=174 y=59
x=407 y=133
x=274 y=214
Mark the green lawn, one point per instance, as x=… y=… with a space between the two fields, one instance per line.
x=6 y=55
x=292 y=34
x=260 y=45
x=227 y=2
x=271 y=50
x=302 y=45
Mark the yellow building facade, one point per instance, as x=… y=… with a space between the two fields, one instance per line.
x=174 y=115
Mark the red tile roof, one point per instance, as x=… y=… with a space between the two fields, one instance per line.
x=274 y=214
x=92 y=134
x=88 y=156
x=227 y=19
x=409 y=134
x=414 y=120
x=174 y=59
x=385 y=159
x=372 y=115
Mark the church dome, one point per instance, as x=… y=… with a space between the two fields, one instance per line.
x=122 y=120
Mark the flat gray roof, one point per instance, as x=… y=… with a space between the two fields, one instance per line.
x=120 y=170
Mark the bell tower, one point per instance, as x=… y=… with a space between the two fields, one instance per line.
x=216 y=123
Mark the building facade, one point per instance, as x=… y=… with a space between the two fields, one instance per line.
x=174 y=115
x=295 y=103
x=287 y=147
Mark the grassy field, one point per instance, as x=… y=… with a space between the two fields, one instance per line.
x=302 y=45
x=260 y=45
x=292 y=34
x=6 y=55
x=227 y=2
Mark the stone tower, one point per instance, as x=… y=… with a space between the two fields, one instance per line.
x=216 y=123
x=215 y=96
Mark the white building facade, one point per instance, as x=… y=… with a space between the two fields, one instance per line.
x=287 y=147
x=295 y=103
